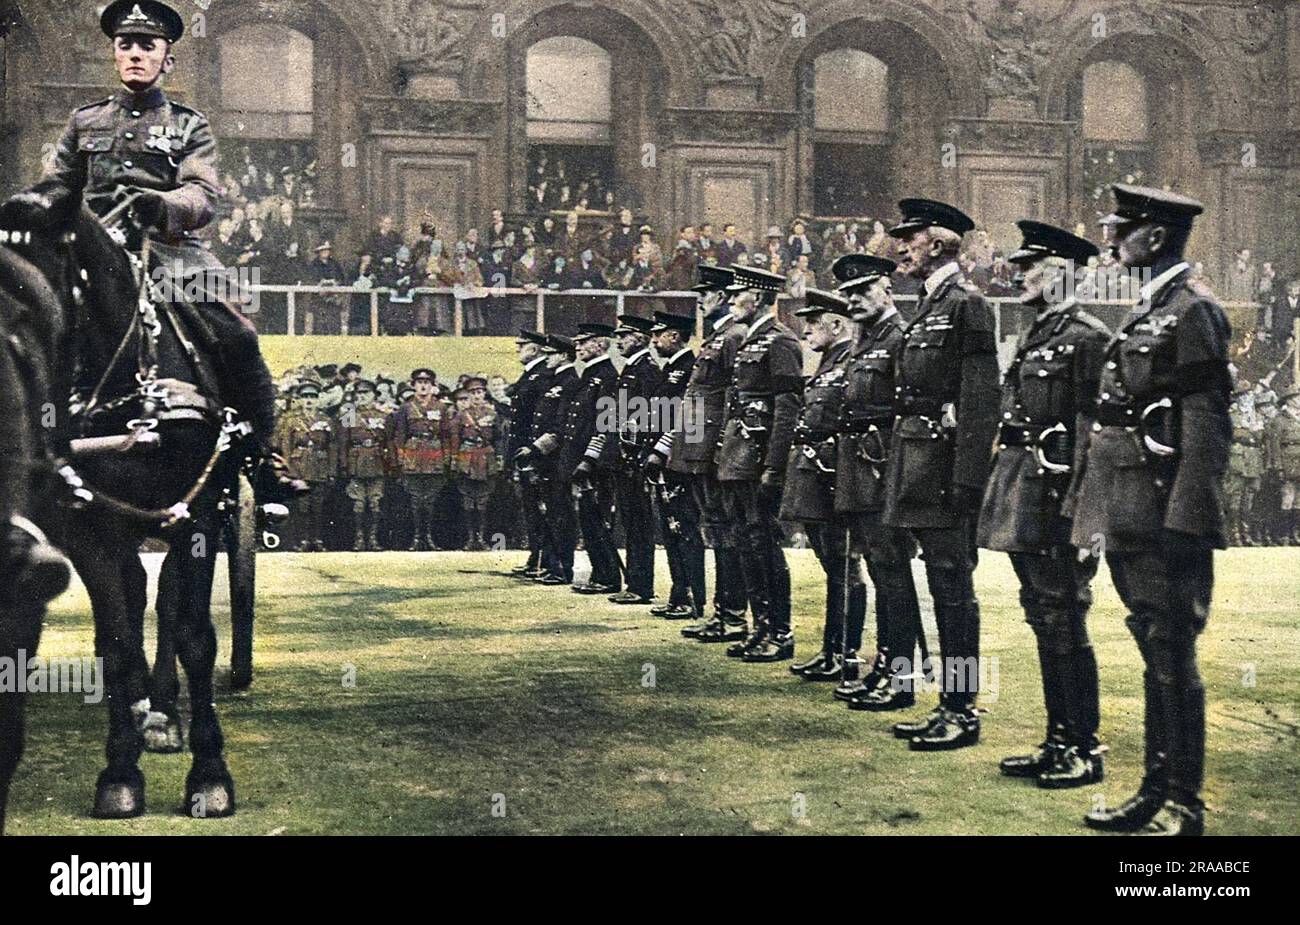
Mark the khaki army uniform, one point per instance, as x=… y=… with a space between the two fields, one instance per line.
x=306 y=439
x=424 y=441
x=1245 y=468
x=364 y=456
x=476 y=431
x=1283 y=436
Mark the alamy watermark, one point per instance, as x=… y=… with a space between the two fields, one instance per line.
x=173 y=281
x=659 y=414
x=38 y=675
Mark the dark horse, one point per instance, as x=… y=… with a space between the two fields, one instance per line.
x=118 y=354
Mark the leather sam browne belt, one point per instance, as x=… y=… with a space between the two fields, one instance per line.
x=1050 y=445
x=1155 y=420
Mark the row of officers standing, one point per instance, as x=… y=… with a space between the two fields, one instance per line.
x=1097 y=445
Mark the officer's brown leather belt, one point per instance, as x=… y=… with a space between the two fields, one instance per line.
x=861 y=424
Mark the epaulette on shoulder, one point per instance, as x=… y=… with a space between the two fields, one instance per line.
x=94 y=105
x=1091 y=321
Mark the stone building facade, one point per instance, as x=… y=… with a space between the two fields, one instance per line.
x=421 y=107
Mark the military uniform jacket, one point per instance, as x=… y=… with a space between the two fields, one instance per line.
x=1051 y=382
x=1173 y=346
x=474 y=433
x=691 y=446
x=637 y=382
x=867 y=418
x=809 y=495
x=551 y=415
x=423 y=436
x=763 y=402
x=667 y=399
x=1246 y=458
x=307 y=442
x=1284 y=445
x=363 y=443
x=524 y=395
x=948 y=357
x=590 y=432
x=143 y=140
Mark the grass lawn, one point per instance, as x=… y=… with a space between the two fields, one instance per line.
x=470 y=684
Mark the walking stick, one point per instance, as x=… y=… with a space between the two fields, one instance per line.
x=844 y=610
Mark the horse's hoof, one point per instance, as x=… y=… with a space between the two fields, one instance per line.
x=118 y=800
x=165 y=738
x=241 y=678
x=210 y=799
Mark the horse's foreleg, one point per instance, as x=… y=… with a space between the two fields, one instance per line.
x=166 y=737
x=209 y=790
x=119 y=791
x=20 y=631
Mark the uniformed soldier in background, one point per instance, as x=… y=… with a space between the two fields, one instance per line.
x=947 y=388
x=690 y=450
x=636 y=382
x=1283 y=435
x=538 y=463
x=1245 y=466
x=474 y=436
x=425 y=443
x=862 y=461
x=1047 y=410
x=679 y=515
x=524 y=395
x=305 y=436
x=809 y=494
x=363 y=456
x=139 y=142
x=759 y=425
x=587 y=458
x=1150 y=493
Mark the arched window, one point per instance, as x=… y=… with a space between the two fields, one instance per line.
x=569 y=98
x=1115 y=103
x=266 y=82
x=851 y=92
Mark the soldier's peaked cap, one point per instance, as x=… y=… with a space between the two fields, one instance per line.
x=757 y=278
x=1148 y=204
x=628 y=324
x=307 y=388
x=560 y=344
x=592 y=329
x=363 y=385
x=927 y=213
x=667 y=321
x=1042 y=240
x=713 y=278
x=860 y=266
x=424 y=373
x=142 y=17
x=531 y=337
x=819 y=302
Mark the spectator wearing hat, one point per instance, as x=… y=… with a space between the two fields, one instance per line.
x=679 y=275
x=626 y=236
x=305 y=437
x=940 y=456
x=646 y=248
x=775 y=256
x=475 y=429
x=364 y=453
x=424 y=439
x=321 y=313
x=803 y=243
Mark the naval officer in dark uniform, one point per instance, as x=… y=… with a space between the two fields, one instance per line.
x=1047 y=410
x=140 y=143
x=763 y=405
x=941 y=452
x=524 y=396
x=1150 y=496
